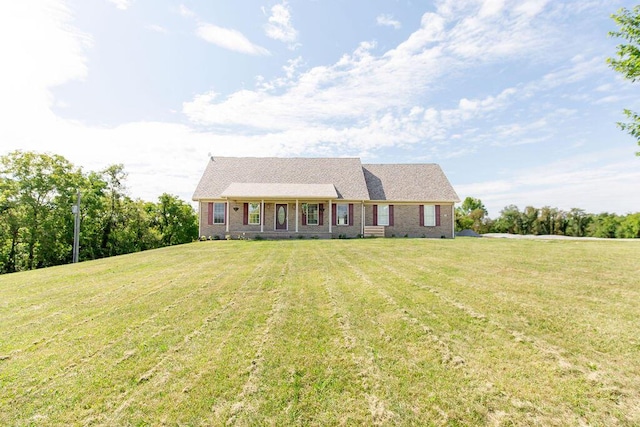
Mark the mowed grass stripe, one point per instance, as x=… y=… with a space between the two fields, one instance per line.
x=539 y=299
x=367 y=330
x=590 y=342
x=577 y=387
x=79 y=279
x=114 y=319
x=423 y=376
x=116 y=355
x=414 y=351
x=90 y=296
x=247 y=402
x=308 y=378
x=212 y=364
x=230 y=291
x=500 y=389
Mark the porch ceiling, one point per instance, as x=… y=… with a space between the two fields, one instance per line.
x=239 y=190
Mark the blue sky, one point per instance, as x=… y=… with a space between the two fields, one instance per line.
x=512 y=98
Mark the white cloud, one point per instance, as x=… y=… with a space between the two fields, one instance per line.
x=40 y=50
x=362 y=92
x=121 y=4
x=279 y=26
x=229 y=39
x=156 y=28
x=226 y=38
x=387 y=20
x=292 y=67
x=531 y=8
x=361 y=103
x=580 y=69
x=431 y=31
x=608 y=99
x=186 y=12
x=496 y=33
x=491 y=7
x=366 y=102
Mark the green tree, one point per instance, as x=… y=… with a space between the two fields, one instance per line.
x=36 y=190
x=604 y=225
x=530 y=220
x=629 y=227
x=112 y=216
x=577 y=222
x=176 y=221
x=11 y=218
x=627 y=60
x=550 y=220
x=471 y=204
x=36 y=222
x=510 y=221
x=472 y=214
x=92 y=211
x=135 y=231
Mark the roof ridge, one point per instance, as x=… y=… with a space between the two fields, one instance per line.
x=286 y=158
x=400 y=164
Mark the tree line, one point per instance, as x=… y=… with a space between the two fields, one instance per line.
x=472 y=214
x=37 y=192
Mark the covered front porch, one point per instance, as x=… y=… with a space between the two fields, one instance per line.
x=283 y=211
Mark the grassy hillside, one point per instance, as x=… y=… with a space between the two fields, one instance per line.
x=382 y=331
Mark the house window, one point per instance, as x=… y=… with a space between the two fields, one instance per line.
x=312 y=214
x=342 y=214
x=383 y=214
x=430 y=215
x=254 y=213
x=218 y=213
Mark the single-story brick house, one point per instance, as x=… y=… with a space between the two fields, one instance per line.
x=323 y=197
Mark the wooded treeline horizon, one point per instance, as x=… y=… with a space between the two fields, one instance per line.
x=38 y=190
x=472 y=215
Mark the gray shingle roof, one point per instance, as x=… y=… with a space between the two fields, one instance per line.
x=344 y=173
x=408 y=182
x=352 y=180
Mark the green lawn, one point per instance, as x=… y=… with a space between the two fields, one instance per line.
x=373 y=331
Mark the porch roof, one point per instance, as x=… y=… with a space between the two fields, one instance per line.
x=259 y=190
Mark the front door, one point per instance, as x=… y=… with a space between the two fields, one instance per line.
x=281 y=216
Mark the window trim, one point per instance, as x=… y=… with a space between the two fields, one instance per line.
x=381 y=208
x=224 y=213
x=429 y=209
x=317 y=205
x=252 y=211
x=346 y=207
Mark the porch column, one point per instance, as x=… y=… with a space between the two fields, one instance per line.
x=296 y=215
x=228 y=215
x=362 y=225
x=262 y=216
x=330 y=219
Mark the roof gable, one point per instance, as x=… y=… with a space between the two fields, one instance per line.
x=408 y=182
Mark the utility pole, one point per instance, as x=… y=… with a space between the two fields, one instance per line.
x=76 y=229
